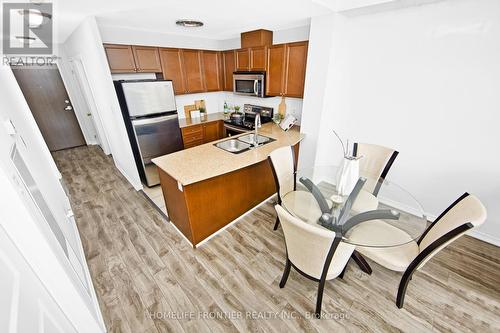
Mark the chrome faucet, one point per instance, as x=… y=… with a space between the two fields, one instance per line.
x=257 y=125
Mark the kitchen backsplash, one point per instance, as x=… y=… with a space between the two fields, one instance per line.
x=214 y=101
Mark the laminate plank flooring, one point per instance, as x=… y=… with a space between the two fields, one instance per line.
x=149 y=279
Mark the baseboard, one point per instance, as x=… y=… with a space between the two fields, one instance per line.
x=137 y=186
x=484 y=237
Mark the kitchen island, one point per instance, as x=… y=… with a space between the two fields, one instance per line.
x=205 y=188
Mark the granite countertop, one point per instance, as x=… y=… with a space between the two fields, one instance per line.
x=185 y=122
x=207 y=161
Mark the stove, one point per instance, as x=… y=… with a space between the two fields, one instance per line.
x=249 y=110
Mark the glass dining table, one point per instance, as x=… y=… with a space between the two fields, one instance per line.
x=376 y=213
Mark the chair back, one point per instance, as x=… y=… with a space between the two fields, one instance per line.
x=466 y=210
x=282 y=163
x=308 y=246
x=375 y=164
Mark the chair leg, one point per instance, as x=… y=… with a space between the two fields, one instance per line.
x=363 y=265
x=288 y=265
x=343 y=271
x=319 y=300
x=277 y=223
x=400 y=299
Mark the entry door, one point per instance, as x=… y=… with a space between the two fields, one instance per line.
x=25 y=304
x=48 y=100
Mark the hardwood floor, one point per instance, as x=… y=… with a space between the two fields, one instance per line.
x=148 y=279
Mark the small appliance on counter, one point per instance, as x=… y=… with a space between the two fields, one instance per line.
x=244 y=122
x=288 y=122
x=150 y=115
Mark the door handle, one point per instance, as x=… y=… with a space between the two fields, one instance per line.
x=68 y=108
x=255 y=82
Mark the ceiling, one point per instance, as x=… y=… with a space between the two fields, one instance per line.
x=223 y=19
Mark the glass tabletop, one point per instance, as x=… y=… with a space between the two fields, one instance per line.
x=376 y=213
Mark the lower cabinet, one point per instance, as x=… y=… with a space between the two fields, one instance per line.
x=196 y=135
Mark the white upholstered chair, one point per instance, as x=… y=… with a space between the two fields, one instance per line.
x=375 y=164
x=312 y=252
x=284 y=169
x=465 y=213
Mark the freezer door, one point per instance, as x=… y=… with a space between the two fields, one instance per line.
x=156 y=137
x=149 y=97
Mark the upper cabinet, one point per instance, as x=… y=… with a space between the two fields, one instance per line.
x=256 y=38
x=129 y=59
x=258 y=58
x=251 y=59
x=171 y=62
x=184 y=68
x=295 y=75
x=195 y=71
x=120 y=58
x=212 y=70
x=191 y=60
x=286 y=69
x=275 y=76
x=229 y=62
x=147 y=59
x=243 y=60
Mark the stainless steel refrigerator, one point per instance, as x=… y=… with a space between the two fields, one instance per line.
x=150 y=115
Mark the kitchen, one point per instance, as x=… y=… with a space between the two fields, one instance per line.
x=255 y=72
x=214 y=166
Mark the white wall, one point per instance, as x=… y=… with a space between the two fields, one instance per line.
x=85 y=43
x=423 y=80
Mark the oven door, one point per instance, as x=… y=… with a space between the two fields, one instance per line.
x=231 y=130
x=249 y=84
x=156 y=137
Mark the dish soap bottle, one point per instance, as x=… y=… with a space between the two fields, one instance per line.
x=282 y=108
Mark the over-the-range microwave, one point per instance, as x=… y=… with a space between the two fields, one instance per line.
x=249 y=83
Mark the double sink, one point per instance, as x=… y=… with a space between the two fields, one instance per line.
x=243 y=143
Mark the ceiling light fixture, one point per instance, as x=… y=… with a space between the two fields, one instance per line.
x=189 y=23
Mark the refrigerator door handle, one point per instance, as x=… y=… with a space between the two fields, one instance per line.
x=147 y=121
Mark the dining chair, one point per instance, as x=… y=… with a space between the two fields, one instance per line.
x=375 y=164
x=465 y=213
x=312 y=251
x=282 y=163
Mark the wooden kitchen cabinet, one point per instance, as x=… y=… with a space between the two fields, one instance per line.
x=212 y=70
x=198 y=134
x=229 y=61
x=193 y=76
x=192 y=136
x=295 y=74
x=171 y=63
x=258 y=58
x=120 y=58
x=131 y=59
x=147 y=59
x=251 y=59
x=212 y=131
x=275 y=75
x=243 y=60
x=256 y=38
x=286 y=69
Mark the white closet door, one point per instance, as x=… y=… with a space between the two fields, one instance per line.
x=25 y=304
